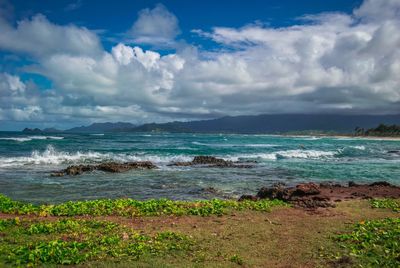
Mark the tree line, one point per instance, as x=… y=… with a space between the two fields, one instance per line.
x=381 y=130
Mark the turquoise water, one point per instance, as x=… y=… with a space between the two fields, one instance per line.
x=26 y=162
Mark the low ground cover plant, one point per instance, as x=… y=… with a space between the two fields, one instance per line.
x=73 y=241
x=373 y=243
x=393 y=204
x=131 y=208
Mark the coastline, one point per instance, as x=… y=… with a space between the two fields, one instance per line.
x=160 y=233
x=346 y=136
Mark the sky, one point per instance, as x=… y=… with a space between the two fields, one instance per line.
x=68 y=63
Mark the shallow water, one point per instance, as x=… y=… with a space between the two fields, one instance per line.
x=26 y=162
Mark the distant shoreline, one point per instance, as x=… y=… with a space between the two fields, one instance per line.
x=344 y=136
x=317 y=135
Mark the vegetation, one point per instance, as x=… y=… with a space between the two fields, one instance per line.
x=100 y=233
x=71 y=241
x=381 y=130
x=374 y=243
x=132 y=208
x=393 y=204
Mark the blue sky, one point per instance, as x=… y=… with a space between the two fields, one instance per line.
x=66 y=63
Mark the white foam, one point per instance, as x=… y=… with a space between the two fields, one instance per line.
x=97 y=134
x=29 y=138
x=16 y=139
x=260 y=145
x=302 y=154
x=358 y=147
x=53 y=157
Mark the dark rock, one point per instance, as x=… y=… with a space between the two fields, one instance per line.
x=394 y=152
x=380 y=183
x=118 y=167
x=210 y=190
x=306 y=189
x=180 y=164
x=326 y=184
x=248 y=197
x=353 y=184
x=211 y=161
x=57 y=174
x=275 y=192
x=77 y=170
x=112 y=167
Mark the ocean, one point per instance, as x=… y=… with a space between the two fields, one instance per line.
x=26 y=162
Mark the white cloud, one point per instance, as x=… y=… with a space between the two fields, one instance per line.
x=155 y=26
x=377 y=11
x=17 y=102
x=11 y=84
x=39 y=37
x=331 y=62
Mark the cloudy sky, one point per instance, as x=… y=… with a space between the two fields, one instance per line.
x=67 y=63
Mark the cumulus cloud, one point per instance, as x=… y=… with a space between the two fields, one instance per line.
x=329 y=63
x=39 y=37
x=155 y=26
x=17 y=102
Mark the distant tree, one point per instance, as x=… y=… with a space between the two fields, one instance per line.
x=383 y=130
x=359 y=131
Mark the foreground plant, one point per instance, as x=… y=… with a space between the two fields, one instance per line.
x=374 y=243
x=393 y=204
x=132 y=208
x=71 y=241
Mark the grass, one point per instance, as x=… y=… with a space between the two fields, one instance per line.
x=133 y=208
x=374 y=243
x=70 y=241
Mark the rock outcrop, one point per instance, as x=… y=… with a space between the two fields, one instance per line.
x=211 y=161
x=312 y=196
x=112 y=167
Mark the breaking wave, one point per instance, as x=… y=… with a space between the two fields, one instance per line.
x=51 y=156
x=301 y=154
x=259 y=145
x=29 y=138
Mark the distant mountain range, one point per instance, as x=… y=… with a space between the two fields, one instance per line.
x=252 y=124
x=95 y=127
x=103 y=127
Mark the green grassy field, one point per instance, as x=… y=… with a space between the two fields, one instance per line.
x=215 y=233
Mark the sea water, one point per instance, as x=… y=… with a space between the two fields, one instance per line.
x=27 y=161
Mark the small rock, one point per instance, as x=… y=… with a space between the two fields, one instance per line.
x=275 y=192
x=306 y=189
x=353 y=184
x=380 y=183
x=248 y=197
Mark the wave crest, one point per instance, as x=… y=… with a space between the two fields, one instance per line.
x=29 y=138
x=301 y=154
x=51 y=156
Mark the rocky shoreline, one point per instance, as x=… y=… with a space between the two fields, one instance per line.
x=311 y=195
x=115 y=167
x=111 y=167
x=211 y=161
x=305 y=195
